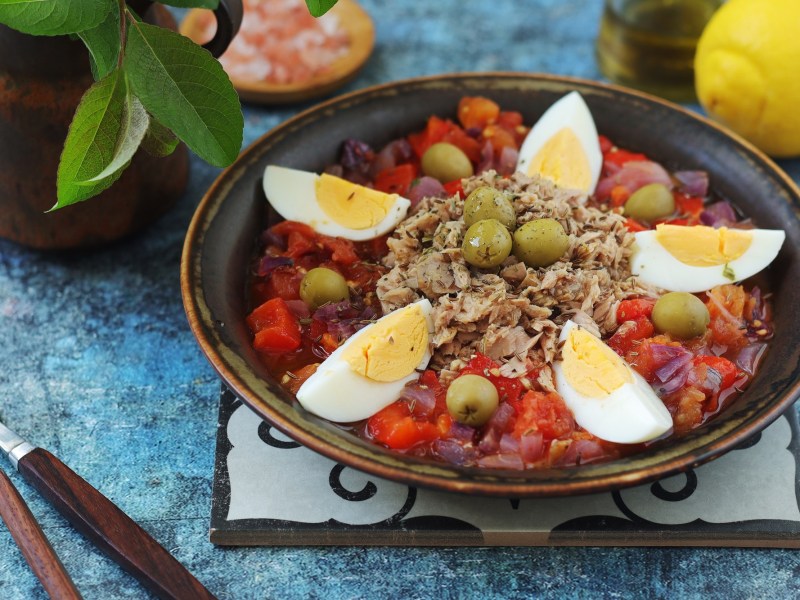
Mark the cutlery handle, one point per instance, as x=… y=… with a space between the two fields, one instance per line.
x=110 y=529
x=30 y=538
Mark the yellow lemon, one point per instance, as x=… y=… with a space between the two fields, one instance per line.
x=747 y=72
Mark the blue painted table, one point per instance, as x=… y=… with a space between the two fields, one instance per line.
x=97 y=364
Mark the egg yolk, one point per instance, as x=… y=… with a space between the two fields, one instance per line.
x=563 y=160
x=702 y=246
x=351 y=205
x=592 y=368
x=392 y=348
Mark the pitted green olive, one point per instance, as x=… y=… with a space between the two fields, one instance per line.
x=541 y=242
x=486 y=244
x=446 y=162
x=472 y=400
x=488 y=203
x=681 y=314
x=320 y=286
x=651 y=202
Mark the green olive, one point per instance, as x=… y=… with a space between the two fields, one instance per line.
x=320 y=286
x=486 y=244
x=681 y=315
x=651 y=202
x=472 y=400
x=446 y=162
x=488 y=203
x=541 y=242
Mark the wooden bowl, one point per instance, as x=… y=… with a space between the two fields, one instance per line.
x=222 y=236
x=360 y=30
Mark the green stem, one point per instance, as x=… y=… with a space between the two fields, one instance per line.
x=123 y=31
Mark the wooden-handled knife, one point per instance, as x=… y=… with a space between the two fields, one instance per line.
x=100 y=520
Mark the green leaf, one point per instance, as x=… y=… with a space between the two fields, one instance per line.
x=159 y=140
x=186 y=89
x=212 y=4
x=54 y=17
x=103 y=44
x=108 y=126
x=317 y=8
x=133 y=128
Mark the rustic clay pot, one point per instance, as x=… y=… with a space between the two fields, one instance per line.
x=41 y=82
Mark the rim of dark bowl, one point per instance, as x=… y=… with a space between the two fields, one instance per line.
x=679 y=455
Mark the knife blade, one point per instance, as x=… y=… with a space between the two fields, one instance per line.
x=102 y=521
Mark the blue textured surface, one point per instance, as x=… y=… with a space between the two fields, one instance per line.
x=98 y=365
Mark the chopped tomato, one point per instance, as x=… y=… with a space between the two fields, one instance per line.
x=284 y=282
x=468 y=145
x=284 y=228
x=500 y=138
x=687 y=407
x=298 y=244
x=618 y=157
x=629 y=333
x=725 y=305
x=605 y=144
x=396 y=180
x=641 y=358
x=508 y=388
x=374 y=249
x=634 y=226
x=429 y=379
x=634 y=309
x=298 y=377
x=544 y=412
x=724 y=375
x=454 y=187
x=395 y=427
x=477 y=111
x=619 y=195
x=434 y=132
x=688 y=206
x=276 y=328
x=342 y=251
x=511 y=121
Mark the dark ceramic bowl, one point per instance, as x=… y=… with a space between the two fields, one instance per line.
x=222 y=235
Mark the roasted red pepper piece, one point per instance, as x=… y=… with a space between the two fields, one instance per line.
x=396 y=180
x=276 y=328
x=395 y=427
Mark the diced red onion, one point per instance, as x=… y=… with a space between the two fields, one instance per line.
x=672 y=367
x=634 y=175
x=501 y=417
x=718 y=214
x=507 y=163
x=269 y=263
x=490 y=442
x=473 y=132
x=425 y=187
x=461 y=431
x=420 y=398
x=693 y=183
x=335 y=170
x=677 y=381
x=531 y=446
x=509 y=444
x=502 y=461
x=344 y=318
x=299 y=308
x=749 y=357
x=580 y=452
x=356 y=155
x=452 y=452
x=270 y=238
x=759 y=308
x=392 y=154
x=487 y=158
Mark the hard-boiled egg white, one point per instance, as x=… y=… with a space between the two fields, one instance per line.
x=332 y=205
x=563 y=146
x=368 y=372
x=605 y=395
x=696 y=259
